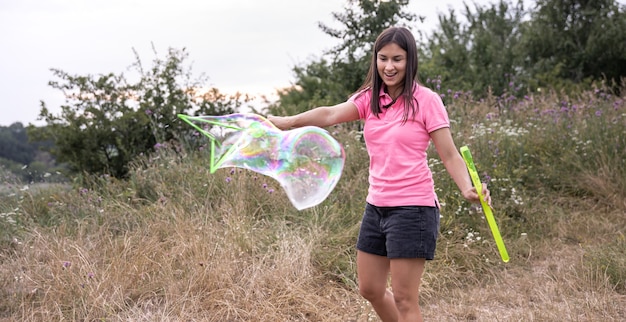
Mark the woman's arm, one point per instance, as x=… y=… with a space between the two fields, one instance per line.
x=321 y=116
x=455 y=165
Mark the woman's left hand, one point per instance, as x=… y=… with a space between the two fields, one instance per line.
x=472 y=196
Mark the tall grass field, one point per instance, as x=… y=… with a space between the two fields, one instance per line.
x=177 y=243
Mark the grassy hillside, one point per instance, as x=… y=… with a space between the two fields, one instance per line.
x=176 y=243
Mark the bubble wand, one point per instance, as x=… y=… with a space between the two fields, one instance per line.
x=467 y=156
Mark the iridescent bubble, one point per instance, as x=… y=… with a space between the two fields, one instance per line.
x=307 y=161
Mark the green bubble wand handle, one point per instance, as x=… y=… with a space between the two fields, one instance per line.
x=467 y=156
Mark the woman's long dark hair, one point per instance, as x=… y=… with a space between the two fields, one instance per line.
x=403 y=38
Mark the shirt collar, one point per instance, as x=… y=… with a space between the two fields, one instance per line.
x=383 y=97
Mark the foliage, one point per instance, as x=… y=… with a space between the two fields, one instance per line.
x=500 y=48
x=26 y=159
x=175 y=242
x=560 y=44
x=342 y=69
x=482 y=54
x=314 y=88
x=362 y=22
x=106 y=121
x=576 y=40
x=14 y=144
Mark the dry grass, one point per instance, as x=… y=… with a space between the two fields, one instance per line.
x=552 y=288
x=171 y=270
x=177 y=243
x=217 y=264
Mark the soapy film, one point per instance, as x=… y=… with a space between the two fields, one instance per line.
x=307 y=161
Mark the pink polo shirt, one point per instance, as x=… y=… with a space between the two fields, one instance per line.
x=399 y=174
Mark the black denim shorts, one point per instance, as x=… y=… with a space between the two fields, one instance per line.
x=399 y=232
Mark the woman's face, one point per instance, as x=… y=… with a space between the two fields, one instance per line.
x=391 y=65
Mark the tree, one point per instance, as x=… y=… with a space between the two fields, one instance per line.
x=478 y=55
x=106 y=122
x=342 y=69
x=315 y=86
x=167 y=89
x=14 y=144
x=94 y=132
x=576 y=40
x=363 y=21
x=23 y=157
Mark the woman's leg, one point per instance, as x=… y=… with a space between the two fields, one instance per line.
x=406 y=277
x=372 y=273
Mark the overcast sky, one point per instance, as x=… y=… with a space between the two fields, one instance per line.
x=240 y=45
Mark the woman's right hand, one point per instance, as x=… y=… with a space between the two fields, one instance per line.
x=472 y=196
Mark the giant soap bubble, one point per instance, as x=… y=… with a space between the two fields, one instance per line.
x=307 y=161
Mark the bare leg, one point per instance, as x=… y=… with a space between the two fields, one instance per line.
x=373 y=271
x=406 y=277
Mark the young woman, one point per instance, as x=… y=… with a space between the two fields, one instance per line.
x=401 y=220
